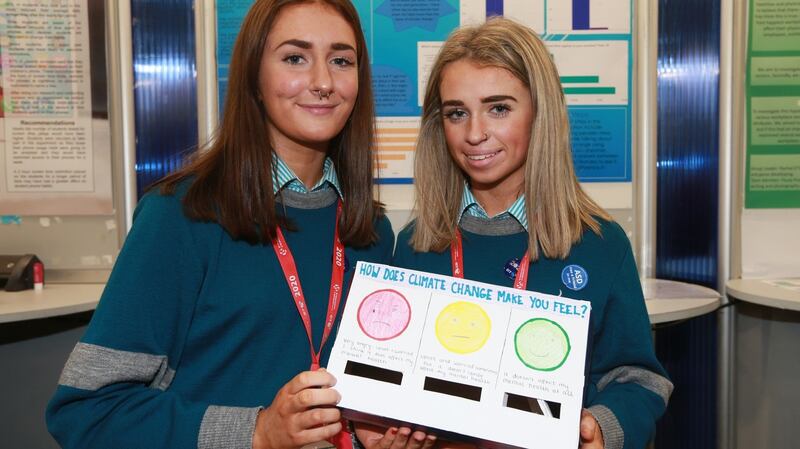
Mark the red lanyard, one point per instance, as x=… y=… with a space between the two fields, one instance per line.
x=457 y=259
x=293 y=281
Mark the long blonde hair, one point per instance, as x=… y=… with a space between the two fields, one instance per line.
x=558 y=209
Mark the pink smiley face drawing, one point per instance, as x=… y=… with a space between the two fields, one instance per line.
x=384 y=314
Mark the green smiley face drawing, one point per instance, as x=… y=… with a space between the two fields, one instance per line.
x=542 y=344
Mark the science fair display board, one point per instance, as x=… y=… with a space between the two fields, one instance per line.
x=590 y=41
x=462 y=359
x=772 y=177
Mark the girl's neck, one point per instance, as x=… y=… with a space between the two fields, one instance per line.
x=306 y=163
x=496 y=199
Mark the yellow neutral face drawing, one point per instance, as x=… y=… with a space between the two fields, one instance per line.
x=463 y=327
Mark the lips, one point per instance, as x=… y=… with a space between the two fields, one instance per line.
x=481 y=157
x=318 y=109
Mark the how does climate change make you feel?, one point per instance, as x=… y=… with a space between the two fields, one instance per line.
x=432 y=282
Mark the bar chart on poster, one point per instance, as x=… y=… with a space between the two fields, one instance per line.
x=576 y=16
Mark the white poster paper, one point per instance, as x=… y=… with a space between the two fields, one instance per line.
x=414 y=347
x=51 y=162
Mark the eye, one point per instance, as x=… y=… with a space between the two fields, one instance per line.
x=455 y=115
x=500 y=110
x=343 y=61
x=294 y=59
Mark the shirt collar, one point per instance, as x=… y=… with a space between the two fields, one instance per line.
x=470 y=205
x=284 y=178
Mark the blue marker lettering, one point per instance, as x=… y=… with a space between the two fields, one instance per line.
x=369 y=270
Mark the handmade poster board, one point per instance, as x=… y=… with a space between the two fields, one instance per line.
x=463 y=359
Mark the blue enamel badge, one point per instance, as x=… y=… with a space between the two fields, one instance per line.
x=511 y=267
x=574 y=277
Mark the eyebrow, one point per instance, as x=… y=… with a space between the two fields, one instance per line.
x=485 y=100
x=496 y=98
x=452 y=103
x=341 y=46
x=338 y=46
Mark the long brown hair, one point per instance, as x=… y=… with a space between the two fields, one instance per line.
x=231 y=178
x=558 y=209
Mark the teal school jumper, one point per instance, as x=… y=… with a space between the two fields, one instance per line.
x=628 y=389
x=195 y=332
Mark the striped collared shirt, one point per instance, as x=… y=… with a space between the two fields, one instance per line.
x=469 y=205
x=284 y=178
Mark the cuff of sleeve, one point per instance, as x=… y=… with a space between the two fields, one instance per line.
x=356 y=443
x=227 y=428
x=613 y=436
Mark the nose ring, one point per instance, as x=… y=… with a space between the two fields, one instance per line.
x=322 y=95
x=485 y=135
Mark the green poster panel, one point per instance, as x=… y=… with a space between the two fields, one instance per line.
x=772 y=178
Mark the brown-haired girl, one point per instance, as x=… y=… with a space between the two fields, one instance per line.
x=212 y=328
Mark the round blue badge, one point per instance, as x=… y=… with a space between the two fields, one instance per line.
x=574 y=277
x=511 y=267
